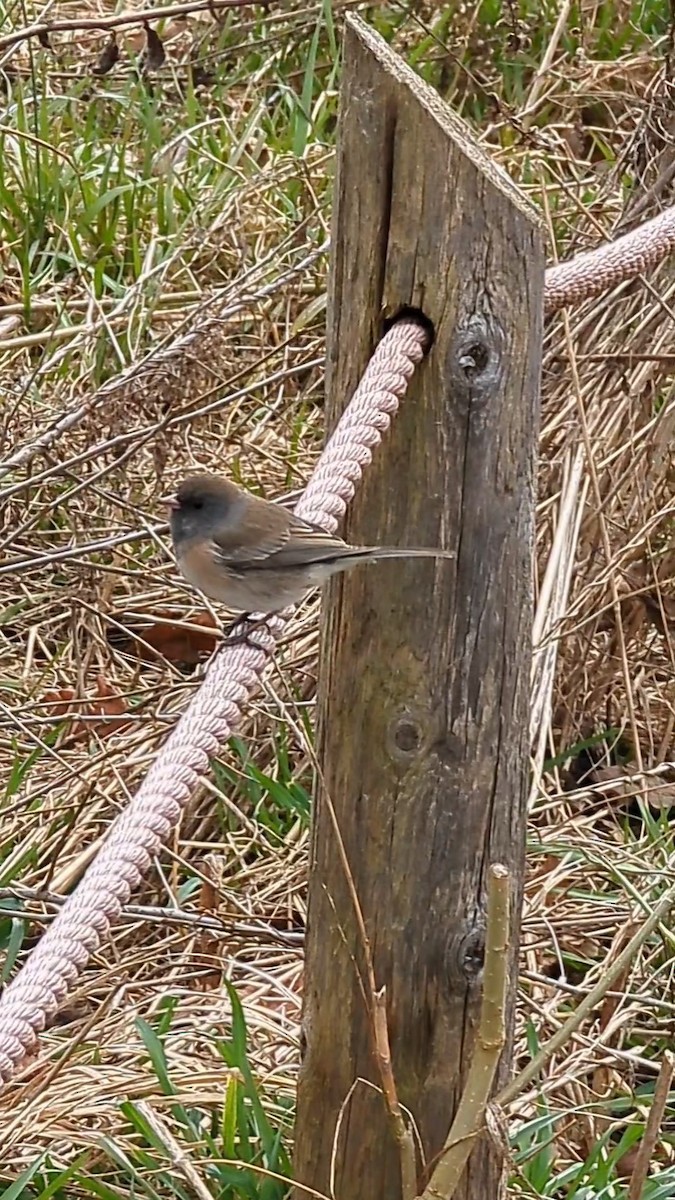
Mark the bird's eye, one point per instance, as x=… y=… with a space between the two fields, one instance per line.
x=198 y=504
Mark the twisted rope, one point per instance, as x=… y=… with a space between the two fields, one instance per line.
x=33 y=998
x=596 y=271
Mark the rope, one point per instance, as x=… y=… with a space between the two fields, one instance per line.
x=596 y=271
x=32 y=999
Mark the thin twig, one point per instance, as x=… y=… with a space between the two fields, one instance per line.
x=542 y=71
x=54 y=556
x=219 y=926
x=180 y=1160
x=375 y=1000
x=403 y=1132
x=651 y=1133
x=125 y=18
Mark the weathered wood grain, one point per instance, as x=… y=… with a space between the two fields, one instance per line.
x=424 y=681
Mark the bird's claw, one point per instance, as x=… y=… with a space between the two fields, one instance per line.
x=247 y=626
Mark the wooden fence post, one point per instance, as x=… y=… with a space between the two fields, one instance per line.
x=425 y=668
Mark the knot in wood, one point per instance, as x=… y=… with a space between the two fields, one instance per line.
x=406 y=736
x=466 y=955
x=476 y=357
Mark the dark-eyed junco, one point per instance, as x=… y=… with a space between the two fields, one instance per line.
x=253 y=555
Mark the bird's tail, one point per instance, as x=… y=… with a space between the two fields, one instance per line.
x=410 y=552
x=373 y=553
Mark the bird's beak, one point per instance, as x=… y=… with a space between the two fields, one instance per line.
x=171 y=502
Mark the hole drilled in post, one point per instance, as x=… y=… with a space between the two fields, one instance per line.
x=410 y=313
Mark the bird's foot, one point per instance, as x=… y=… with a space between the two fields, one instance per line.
x=239 y=632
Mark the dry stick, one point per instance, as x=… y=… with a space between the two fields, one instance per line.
x=62 y=334
x=45 y=304
x=376 y=1003
x=180 y=1160
x=402 y=1132
x=56 y=556
x=644 y=1156
x=604 y=533
x=165 y=916
x=470 y=1116
x=545 y=66
x=125 y=18
x=593 y=998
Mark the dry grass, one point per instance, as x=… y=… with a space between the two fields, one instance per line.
x=203 y=266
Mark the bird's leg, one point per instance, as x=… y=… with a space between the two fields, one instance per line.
x=229 y=629
x=232 y=638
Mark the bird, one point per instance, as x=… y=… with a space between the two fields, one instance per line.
x=255 y=555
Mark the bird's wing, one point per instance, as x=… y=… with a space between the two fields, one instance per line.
x=306 y=544
x=273 y=534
